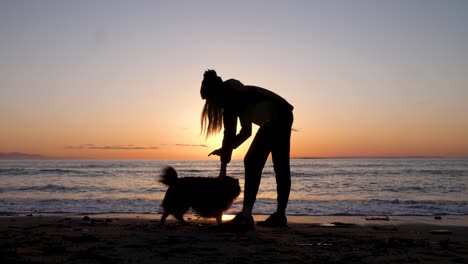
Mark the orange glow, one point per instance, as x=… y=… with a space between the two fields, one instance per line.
x=319 y=141
x=126 y=84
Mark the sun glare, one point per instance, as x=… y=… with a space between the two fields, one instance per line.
x=227 y=217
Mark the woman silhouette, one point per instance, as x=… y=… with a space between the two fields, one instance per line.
x=227 y=101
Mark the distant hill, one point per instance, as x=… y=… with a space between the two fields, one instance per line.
x=20 y=156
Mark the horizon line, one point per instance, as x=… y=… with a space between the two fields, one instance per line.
x=292 y=158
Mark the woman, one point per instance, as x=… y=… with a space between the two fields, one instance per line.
x=226 y=101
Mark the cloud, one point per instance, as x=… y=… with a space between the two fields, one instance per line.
x=21 y=156
x=129 y=147
x=191 y=145
x=111 y=147
x=185 y=145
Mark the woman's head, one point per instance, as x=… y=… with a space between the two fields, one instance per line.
x=212 y=114
x=211 y=84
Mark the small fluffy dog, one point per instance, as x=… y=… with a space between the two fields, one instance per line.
x=209 y=197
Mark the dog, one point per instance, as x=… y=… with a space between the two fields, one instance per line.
x=209 y=197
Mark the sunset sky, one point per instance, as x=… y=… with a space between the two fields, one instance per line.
x=121 y=79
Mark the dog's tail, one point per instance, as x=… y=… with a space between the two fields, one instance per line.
x=168 y=176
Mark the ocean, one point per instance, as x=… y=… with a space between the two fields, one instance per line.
x=422 y=186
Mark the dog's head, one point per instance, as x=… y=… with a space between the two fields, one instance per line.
x=232 y=187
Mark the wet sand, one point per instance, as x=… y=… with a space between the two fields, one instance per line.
x=134 y=238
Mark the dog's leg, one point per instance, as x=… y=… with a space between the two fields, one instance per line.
x=163 y=218
x=219 y=218
x=179 y=215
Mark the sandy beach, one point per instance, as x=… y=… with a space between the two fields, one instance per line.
x=138 y=238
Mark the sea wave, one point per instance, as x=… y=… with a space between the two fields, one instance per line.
x=262 y=206
x=319 y=187
x=54 y=188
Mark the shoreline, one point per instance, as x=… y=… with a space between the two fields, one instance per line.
x=447 y=220
x=123 y=238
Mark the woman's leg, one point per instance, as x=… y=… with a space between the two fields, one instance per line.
x=281 y=155
x=254 y=162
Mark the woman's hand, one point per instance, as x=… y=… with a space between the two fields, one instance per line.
x=216 y=152
x=222 y=171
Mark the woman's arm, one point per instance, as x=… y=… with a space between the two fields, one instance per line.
x=244 y=133
x=230 y=127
